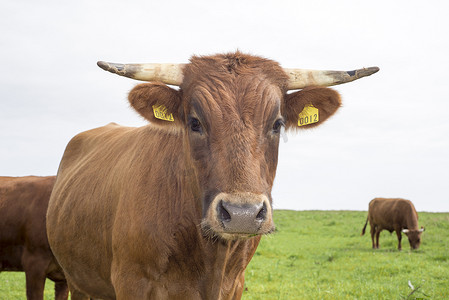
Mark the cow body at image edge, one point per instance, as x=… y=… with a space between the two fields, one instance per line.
x=23 y=237
x=175 y=209
x=393 y=214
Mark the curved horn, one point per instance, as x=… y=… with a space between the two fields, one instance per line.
x=167 y=73
x=300 y=78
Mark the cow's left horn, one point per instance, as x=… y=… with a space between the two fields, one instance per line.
x=300 y=78
x=167 y=73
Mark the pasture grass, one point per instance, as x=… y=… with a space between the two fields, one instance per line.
x=321 y=255
x=12 y=287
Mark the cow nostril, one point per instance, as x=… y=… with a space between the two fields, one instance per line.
x=262 y=213
x=223 y=213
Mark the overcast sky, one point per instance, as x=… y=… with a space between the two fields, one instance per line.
x=390 y=138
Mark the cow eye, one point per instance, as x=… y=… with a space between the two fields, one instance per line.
x=277 y=125
x=195 y=125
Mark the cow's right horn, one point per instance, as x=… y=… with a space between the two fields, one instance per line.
x=167 y=73
x=301 y=78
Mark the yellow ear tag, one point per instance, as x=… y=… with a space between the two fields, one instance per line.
x=309 y=115
x=160 y=112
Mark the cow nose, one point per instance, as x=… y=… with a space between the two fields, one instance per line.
x=241 y=218
x=237 y=215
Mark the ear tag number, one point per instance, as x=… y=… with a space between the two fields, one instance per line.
x=309 y=115
x=160 y=112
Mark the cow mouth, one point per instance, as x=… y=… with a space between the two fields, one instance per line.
x=219 y=232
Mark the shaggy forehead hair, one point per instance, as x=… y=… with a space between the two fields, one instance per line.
x=229 y=67
x=236 y=82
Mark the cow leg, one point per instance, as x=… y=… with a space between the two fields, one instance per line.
x=76 y=294
x=34 y=267
x=378 y=230
x=35 y=283
x=399 y=234
x=61 y=290
x=372 y=231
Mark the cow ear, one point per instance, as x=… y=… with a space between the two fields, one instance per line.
x=157 y=103
x=310 y=107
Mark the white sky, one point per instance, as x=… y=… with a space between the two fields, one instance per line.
x=390 y=139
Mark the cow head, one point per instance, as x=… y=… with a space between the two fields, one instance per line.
x=231 y=109
x=414 y=237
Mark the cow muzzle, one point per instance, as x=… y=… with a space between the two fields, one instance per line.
x=238 y=215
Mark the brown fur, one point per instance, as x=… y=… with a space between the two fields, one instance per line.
x=148 y=198
x=393 y=215
x=23 y=238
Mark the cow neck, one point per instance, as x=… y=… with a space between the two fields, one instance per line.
x=226 y=261
x=412 y=219
x=222 y=262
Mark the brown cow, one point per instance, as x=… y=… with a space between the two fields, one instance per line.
x=23 y=238
x=393 y=215
x=176 y=208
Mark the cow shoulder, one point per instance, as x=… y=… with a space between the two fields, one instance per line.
x=85 y=143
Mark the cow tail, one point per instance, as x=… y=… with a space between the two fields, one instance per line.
x=364 y=227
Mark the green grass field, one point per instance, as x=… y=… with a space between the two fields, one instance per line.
x=321 y=255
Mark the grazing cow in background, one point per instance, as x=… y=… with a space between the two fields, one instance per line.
x=393 y=215
x=176 y=208
x=23 y=237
